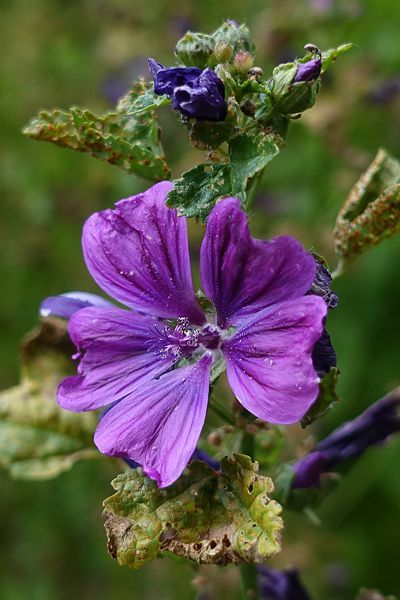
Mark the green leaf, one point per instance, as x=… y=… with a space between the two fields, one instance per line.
x=371 y=212
x=130 y=142
x=148 y=101
x=249 y=154
x=39 y=440
x=195 y=193
x=205 y=516
x=326 y=398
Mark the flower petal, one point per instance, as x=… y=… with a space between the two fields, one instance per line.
x=120 y=352
x=269 y=360
x=138 y=253
x=242 y=275
x=159 y=424
x=65 y=305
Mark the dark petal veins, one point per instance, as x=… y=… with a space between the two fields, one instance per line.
x=269 y=364
x=139 y=254
x=242 y=275
x=159 y=424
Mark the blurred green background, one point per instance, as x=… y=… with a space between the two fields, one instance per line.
x=57 y=53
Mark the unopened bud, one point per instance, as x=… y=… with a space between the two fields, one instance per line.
x=223 y=52
x=194 y=49
x=243 y=62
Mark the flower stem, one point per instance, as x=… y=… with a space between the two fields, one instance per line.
x=249 y=582
x=252 y=190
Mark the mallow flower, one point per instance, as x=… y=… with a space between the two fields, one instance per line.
x=350 y=440
x=148 y=365
x=195 y=93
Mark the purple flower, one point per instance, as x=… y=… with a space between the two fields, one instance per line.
x=195 y=93
x=308 y=71
x=151 y=364
x=280 y=585
x=350 y=440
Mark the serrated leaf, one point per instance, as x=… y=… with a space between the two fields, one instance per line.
x=207 y=517
x=249 y=154
x=148 y=101
x=129 y=142
x=326 y=398
x=195 y=193
x=39 y=440
x=371 y=212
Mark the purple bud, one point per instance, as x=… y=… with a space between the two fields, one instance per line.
x=205 y=457
x=308 y=470
x=308 y=71
x=280 y=585
x=350 y=440
x=195 y=93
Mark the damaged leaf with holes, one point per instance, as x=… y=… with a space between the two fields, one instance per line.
x=371 y=212
x=131 y=142
x=38 y=440
x=205 y=516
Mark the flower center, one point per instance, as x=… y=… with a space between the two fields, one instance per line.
x=182 y=339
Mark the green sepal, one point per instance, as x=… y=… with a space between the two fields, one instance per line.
x=237 y=37
x=327 y=397
x=330 y=56
x=205 y=516
x=39 y=440
x=287 y=97
x=195 y=49
x=371 y=212
x=131 y=142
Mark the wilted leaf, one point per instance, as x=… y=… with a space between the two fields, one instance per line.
x=195 y=193
x=39 y=440
x=205 y=516
x=371 y=212
x=326 y=398
x=129 y=142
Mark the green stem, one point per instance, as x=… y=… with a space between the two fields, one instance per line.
x=221 y=411
x=248 y=571
x=252 y=190
x=249 y=582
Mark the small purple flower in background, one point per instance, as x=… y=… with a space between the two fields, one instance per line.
x=350 y=440
x=280 y=585
x=195 y=93
x=65 y=305
x=151 y=364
